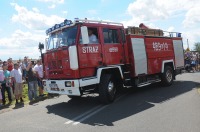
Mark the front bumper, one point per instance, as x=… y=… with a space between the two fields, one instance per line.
x=59 y=87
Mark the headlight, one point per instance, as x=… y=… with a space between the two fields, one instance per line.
x=68 y=84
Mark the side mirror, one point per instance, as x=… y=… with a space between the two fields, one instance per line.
x=84 y=34
x=41 y=46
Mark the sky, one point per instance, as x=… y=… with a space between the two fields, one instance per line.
x=23 y=22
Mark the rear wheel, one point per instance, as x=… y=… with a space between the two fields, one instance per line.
x=107 y=89
x=167 y=76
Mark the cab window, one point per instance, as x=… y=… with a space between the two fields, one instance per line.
x=93 y=36
x=110 y=36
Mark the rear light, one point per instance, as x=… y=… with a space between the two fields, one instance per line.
x=72 y=83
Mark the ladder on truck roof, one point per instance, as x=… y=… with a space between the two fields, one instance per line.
x=150 y=32
x=98 y=22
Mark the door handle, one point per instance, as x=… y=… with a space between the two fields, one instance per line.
x=100 y=62
x=84 y=65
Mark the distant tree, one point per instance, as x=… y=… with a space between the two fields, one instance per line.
x=197 y=47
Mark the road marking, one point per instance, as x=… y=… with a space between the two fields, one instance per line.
x=90 y=113
x=88 y=116
x=84 y=114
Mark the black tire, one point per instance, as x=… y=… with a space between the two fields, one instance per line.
x=107 y=89
x=74 y=97
x=167 y=76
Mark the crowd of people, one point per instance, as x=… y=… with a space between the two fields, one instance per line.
x=14 y=75
x=192 y=61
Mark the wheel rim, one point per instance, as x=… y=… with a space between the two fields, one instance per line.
x=111 y=88
x=169 y=76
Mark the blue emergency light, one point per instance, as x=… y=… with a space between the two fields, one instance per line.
x=56 y=26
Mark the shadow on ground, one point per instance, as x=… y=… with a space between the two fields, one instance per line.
x=21 y=105
x=134 y=101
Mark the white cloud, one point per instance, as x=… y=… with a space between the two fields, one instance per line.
x=170 y=29
x=152 y=10
x=21 y=44
x=192 y=17
x=53 y=2
x=35 y=9
x=193 y=36
x=33 y=19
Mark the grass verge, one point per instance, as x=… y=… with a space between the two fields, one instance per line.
x=24 y=96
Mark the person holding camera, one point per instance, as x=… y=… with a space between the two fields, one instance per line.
x=38 y=68
x=32 y=81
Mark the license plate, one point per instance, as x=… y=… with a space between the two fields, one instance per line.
x=54 y=87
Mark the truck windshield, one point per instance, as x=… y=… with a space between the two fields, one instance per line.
x=66 y=37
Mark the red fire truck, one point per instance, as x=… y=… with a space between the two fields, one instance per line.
x=119 y=57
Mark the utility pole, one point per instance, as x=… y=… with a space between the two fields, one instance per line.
x=188 y=48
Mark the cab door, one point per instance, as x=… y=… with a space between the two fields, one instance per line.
x=90 y=55
x=112 y=46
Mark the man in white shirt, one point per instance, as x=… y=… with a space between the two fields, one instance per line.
x=16 y=75
x=38 y=68
x=92 y=38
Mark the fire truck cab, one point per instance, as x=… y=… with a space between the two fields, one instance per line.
x=87 y=56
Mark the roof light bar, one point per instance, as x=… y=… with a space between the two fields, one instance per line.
x=57 y=26
x=67 y=22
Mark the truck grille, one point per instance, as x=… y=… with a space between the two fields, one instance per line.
x=53 y=65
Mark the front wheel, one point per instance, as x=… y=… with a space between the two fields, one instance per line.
x=167 y=76
x=107 y=89
x=74 y=97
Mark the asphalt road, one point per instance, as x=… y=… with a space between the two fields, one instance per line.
x=149 y=109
